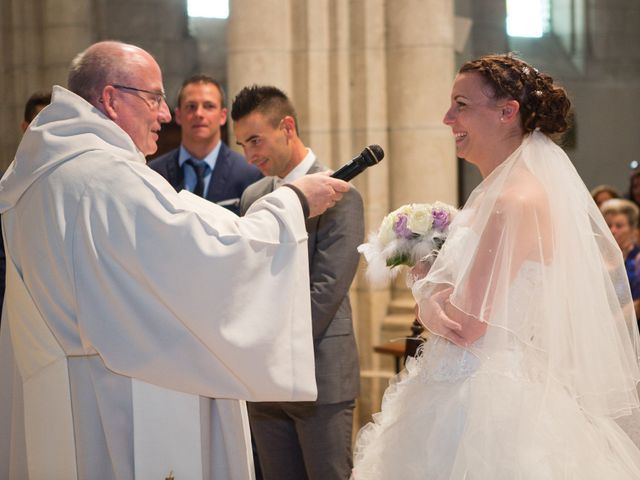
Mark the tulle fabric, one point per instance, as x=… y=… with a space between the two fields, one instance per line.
x=449 y=416
x=575 y=323
x=536 y=396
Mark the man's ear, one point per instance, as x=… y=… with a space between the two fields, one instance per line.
x=289 y=125
x=108 y=102
x=223 y=116
x=509 y=110
x=177 y=114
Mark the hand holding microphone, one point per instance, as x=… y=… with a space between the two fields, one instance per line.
x=323 y=191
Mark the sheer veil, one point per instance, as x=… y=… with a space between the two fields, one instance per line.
x=531 y=255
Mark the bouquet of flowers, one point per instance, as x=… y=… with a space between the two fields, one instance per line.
x=413 y=233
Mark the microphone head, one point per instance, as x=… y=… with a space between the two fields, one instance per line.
x=372 y=154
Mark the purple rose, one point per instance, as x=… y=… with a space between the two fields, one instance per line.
x=440 y=219
x=400 y=226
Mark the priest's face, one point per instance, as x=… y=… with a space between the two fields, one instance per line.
x=137 y=104
x=267 y=146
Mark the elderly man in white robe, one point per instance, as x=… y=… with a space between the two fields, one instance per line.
x=130 y=307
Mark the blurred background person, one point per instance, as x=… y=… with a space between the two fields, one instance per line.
x=633 y=193
x=602 y=193
x=36 y=102
x=622 y=218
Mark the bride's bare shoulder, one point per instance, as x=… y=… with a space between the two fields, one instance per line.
x=523 y=195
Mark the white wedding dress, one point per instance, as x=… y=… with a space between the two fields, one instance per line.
x=451 y=416
x=537 y=396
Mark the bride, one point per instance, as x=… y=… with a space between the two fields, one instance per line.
x=535 y=349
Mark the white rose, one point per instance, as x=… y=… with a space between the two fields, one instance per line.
x=421 y=219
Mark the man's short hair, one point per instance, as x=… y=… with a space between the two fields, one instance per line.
x=99 y=66
x=202 y=78
x=37 y=99
x=265 y=99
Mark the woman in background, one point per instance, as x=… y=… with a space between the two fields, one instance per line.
x=622 y=218
x=602 y=193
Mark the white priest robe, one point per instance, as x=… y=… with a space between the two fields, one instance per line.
x=129 y=308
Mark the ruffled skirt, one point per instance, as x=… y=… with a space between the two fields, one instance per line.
x=449 y=416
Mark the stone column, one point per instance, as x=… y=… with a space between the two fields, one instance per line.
x=420 y=65
x=414 y=72
x=312 y=75
x=369 y=120
x=39 y=39
x=259 y=44
x=67 y=30
x=21 y=43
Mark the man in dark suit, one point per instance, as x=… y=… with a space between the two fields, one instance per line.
x=203 y=164
x=306 y=440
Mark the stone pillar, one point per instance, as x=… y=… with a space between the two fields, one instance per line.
x=39 y=38
x=67 y=30
x=312 y=75
x=420 y=162
x=259 y=44
x=369 y=119
x=420 y=64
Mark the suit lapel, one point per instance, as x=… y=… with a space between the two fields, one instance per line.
x=316 y=167
x=175 y=176
x=219 y=176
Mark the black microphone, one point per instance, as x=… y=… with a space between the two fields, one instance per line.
x=369 y=156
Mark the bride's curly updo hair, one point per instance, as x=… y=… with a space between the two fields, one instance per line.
x=543 y=105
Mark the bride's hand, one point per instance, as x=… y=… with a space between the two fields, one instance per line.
x=420 y=270
x=432 y=315
x=471 y=329
x=417 y=272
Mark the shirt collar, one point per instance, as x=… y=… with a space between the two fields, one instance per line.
x=302 y=168
x=210 y=159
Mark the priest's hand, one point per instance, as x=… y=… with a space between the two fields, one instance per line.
x=321 y=191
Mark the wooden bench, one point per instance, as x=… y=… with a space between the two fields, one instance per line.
x=402 y=350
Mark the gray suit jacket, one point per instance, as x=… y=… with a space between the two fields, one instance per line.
x=333 y=261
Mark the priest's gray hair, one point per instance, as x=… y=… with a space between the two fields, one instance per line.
x=101 y=64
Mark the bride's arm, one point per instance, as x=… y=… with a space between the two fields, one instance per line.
x=431 y=312
x=516 y=231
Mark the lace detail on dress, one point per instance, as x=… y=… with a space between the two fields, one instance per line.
x=443 y=361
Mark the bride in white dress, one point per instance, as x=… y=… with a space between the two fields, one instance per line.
x=535 y=349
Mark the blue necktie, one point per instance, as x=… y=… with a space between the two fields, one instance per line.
x=199 y=167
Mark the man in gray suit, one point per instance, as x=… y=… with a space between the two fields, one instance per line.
x=306 y=440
